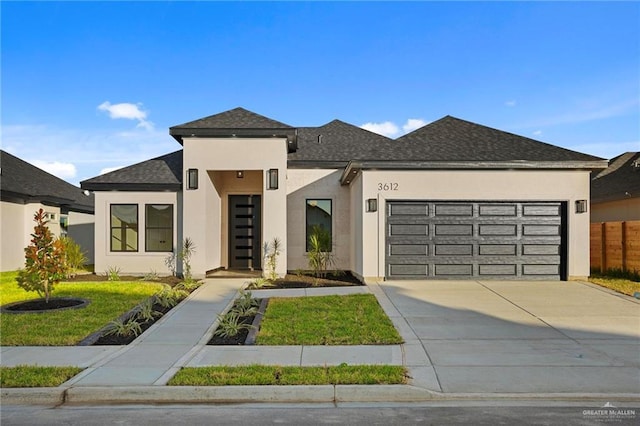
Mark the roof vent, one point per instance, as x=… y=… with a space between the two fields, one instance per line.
x=636 y=165
x=319 y=139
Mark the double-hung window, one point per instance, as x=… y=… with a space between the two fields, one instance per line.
x=124 y=227
x=159 y=227
x=319 y=223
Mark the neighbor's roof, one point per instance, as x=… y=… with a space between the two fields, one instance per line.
x=22 y=182
x=162 y=173
x=619 y=181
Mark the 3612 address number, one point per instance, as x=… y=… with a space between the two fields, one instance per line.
x=387 y=186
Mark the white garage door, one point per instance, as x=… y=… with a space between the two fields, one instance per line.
x=475 y=239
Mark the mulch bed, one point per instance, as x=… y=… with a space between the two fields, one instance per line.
x=308 y=281
x=114 y=339
x=238 y=339
x=41 y=305
x=170 y=279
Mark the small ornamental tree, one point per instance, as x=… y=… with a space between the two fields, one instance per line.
x=45 y=261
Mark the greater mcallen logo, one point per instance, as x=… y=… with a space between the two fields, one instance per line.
x=610 y=413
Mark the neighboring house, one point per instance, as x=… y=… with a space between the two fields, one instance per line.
x=615 y=191
x=24 y=189
x=452 y=199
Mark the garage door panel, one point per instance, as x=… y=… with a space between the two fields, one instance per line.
x=474 y=239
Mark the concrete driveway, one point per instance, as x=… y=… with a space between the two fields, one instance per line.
x=499 y=336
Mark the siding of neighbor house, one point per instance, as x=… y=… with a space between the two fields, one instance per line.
x=615 y=211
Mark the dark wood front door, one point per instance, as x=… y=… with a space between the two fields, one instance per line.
x=244 y=232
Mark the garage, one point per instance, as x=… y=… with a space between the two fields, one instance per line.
x=475 y=240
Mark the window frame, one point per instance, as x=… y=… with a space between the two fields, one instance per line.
x=124 y=228
x=306 y=222
x=147 y=227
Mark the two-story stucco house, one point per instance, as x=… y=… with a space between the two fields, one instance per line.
x=452 y=199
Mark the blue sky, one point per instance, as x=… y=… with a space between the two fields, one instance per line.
x=91 y=86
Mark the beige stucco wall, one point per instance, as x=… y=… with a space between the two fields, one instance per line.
x=616 y=211
x=473 y=185
x=303 y=184
x=136 y=263
x=204 y=208
x=16 y=227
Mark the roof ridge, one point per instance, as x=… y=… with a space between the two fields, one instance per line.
x=616 y=163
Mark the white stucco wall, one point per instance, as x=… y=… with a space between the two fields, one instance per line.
x=16 y=227
x=303 y=184
x=204 y=207
x=515 y=185
x=136 y=263
x=616 y=211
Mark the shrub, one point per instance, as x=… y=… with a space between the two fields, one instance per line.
x=319 y=254
x=258 y=283
x=75 y=258
x=113 y=273
x=230 y=325
x=184 y=255
x=124 y=328
x=151 y=276
x=44 y=260
x=272 y=251
x=146 y=312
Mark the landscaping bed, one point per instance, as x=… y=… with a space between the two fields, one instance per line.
x=307 y=280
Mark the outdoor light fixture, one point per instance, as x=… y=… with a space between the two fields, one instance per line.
x=240 y=174
x=272 y=179
x=581 y=206
x=192 y=179
x=372 y=205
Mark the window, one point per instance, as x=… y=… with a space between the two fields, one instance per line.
x=124 y=227
x=159 y=227
x=319 y=223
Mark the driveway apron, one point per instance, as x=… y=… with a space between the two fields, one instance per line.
x=512 y=337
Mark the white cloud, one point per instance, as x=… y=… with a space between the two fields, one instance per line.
x=127 y=111
x=413 y=124
x=387 y=128
x=537 y=132
x=110 y=169
x=510 y=104
x=56 y=168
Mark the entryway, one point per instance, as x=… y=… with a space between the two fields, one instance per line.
x=245 y=240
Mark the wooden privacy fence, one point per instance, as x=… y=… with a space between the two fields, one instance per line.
x=615 y=245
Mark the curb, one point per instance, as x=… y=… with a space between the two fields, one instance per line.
x=275 y=394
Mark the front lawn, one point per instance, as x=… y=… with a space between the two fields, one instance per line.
x=24 y=376
x=355 y=319
x=109 y=300
x=621 y=285
x=276 y=375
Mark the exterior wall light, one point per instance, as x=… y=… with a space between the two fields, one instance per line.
x=240 y=174
x=372 y=205
x=581 y=206
x=192 y=179
x=272 y=179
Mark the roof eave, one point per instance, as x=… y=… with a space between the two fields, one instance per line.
x=354 y=167
x=144 y=187
x=179 y=133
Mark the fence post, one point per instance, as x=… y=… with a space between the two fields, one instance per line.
x=624 y=246
x=603 y=247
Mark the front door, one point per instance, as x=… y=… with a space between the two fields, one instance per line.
x=245 y=242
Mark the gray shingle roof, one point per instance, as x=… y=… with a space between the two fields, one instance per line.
x=453 y=139
x=336 y=143
x=339 y=142
x=619 y=181
x=160 y=173
x=23 y=182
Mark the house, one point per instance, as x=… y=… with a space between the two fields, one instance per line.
x=24 y=189
x=453 y=199
x=615 y=191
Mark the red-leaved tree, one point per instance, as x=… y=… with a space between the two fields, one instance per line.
x=44 y=260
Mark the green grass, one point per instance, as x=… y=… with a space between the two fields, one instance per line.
x=63 y=328
x=326 y=320
x=24 y=376
x=621 y=285
x=276 y=375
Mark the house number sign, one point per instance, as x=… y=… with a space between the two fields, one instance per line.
x=387 y=186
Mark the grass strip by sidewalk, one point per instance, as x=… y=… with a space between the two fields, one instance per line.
x=109 y=300
x=277 y=375
x=26 y=376
x=355 y=319
x=621 y=285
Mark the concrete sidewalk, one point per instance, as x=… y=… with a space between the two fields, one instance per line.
x=465 y=339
